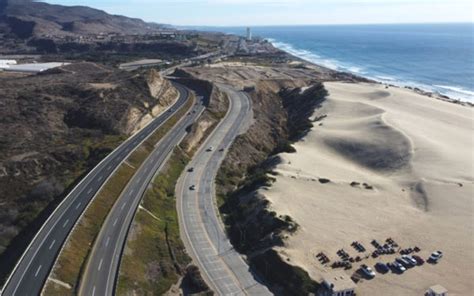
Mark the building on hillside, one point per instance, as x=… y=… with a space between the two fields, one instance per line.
x=337 y=283
x=437 y=290
x=33 y=68
x=6 y=63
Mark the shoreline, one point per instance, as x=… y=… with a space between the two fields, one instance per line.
x=416 y=89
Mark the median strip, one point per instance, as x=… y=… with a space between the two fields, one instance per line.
x=73 y=257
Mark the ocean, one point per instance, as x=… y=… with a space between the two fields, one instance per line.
x=432 y=57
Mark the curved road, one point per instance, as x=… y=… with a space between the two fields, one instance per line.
x=35 y=264
x=102 y=269
x=201 y=229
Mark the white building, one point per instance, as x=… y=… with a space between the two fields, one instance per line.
x=337 y=283
x=437 y=290
x=32 y=68
x=249 y=34
x=6 y=63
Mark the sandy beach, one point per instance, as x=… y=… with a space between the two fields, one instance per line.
x=415 y=156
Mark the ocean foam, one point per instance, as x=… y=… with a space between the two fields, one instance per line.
x=454 y=92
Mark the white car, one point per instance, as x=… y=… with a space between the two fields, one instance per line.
x=367 y=271
x=210 y=149
x=435 y=256
x=410 y=259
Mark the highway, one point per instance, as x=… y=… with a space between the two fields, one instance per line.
x=33 y=268
x=102 y=269
x=201 y=229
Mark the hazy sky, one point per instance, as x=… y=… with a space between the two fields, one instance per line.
x=285 y=12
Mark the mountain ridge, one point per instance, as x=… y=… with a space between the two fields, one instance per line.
x=25 y=19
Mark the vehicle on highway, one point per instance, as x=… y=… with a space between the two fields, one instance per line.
x=404 y=262
x=435 y=257
x=367 y=271
x=221 y=150
x=419 y=260
x=210 y=149
x=410 y=259
x=397 y=267
x=190 y=170
x=382 y=267
x=192 y=187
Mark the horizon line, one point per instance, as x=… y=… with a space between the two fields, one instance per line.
x=339 y=24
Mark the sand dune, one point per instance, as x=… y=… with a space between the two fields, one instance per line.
x=415 y=156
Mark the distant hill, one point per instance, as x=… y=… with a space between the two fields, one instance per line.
x=27 y=18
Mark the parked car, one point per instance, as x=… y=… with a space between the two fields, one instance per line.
x=397 y=267
x=191 y=170
x=410 y=259
x=367 y=271
x=381 y=267
x=192 y=187
x=405 y=263
x=435 y=256
x=419 y=260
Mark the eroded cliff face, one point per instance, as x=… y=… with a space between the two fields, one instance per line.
x=282 y=110
x=56 y=126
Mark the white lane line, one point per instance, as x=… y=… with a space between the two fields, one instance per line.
x=107 y=241
x=100 y=178
x=52 y=244
x=65 y=223
x=109 y=167
x=115 y=222
x=123 y=206
x=93 y=291
x=78 y=205
x=89 y=191
x=100 y=264
x=38 y=270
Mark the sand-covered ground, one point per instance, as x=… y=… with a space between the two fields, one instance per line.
x=417 y=154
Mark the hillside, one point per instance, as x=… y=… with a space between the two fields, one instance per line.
x=26 y=18
x=56 y=126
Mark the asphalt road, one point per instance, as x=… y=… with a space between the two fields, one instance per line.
x=34 y=266
x=201 y=229
x=102 y=269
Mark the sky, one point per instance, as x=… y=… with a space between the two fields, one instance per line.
x=285 y=12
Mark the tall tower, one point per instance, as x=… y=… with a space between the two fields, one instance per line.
x=249 y=34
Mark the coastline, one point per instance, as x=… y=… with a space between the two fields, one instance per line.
x=417 y=89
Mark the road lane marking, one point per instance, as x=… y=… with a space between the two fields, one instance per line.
x=123 y=206
x=100 y=263
x=65 y=223
x=52 y=244
x=115 y=222
x=100 y=178
x=107 y=241
x=38 y=270
x=89 y=191
x=93 y=291
x=78 y=205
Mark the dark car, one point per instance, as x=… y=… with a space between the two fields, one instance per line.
x=418 y=259
x=191 y=170
x=381 y=267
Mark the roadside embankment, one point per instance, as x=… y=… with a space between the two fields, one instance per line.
x=73 y=257
x=281 y=115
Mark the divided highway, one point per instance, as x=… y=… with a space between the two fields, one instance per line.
x=201 y=229
x=34 y=266
x=102 y=269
